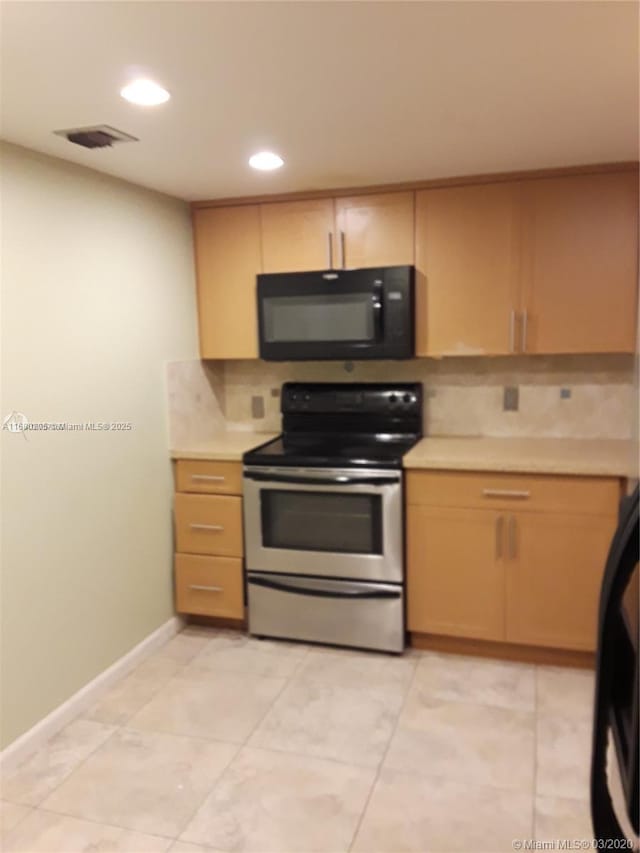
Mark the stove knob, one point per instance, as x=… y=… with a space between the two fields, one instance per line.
x=307 y=397
x=294 y=397
x=407 y=398
x=393 y=399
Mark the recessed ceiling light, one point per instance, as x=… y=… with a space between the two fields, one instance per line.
x=266 y=161
x=145 y=93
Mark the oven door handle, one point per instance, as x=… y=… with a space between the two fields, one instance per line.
x=318 y=481
x=323 y=593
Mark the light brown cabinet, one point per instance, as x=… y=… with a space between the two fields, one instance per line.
x=209 y=546
x=547 y=265
x=375 y=230
x=579 y=264
x=228 y=258
x=298 y=235
x=455 y=582
x=554 y=571
x=508 y=558
x=467 y=255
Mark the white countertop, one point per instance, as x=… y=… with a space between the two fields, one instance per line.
x=587 y=457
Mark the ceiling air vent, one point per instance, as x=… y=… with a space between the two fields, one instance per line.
x=100 y=136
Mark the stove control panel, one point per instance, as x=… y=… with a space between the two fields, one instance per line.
x=357 y=398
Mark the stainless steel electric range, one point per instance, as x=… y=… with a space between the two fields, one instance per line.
x=323 y=514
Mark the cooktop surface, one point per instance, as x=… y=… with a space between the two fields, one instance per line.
x=338 y=451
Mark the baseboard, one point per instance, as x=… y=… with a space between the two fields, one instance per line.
x=503 y=651
x=20 y=749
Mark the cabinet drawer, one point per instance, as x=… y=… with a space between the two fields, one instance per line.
x=528 y=492
x=209 y=586
x=209 y=524
x=221 y=478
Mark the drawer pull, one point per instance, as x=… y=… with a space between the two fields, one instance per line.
x=506 y=493
x=201 y=588
x=215 y=527
x=211 y=478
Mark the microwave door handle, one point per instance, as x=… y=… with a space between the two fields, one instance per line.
x=316 y=592
x=262 y=477
x=378 y=330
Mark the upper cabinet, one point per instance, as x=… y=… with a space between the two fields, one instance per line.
x=375 y=230
x=228 y=258
x=467 y=270
x=579 y=264
x=541 y=265
x=298 y=235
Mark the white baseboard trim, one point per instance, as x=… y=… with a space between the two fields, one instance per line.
x=20 y=749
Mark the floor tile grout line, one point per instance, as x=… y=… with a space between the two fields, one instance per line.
x=225 y=770
x=80 y=764
x=170 y=838
x=376 y=777
x=30 y=810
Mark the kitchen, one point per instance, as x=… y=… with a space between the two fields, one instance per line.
x=449 y=354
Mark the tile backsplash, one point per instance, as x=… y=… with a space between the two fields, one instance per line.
x=559 y=396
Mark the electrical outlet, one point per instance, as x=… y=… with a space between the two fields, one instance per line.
x=257 y=407
x=565 y=393
x=511 y=399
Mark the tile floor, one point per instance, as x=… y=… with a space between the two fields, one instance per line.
x=221 y=742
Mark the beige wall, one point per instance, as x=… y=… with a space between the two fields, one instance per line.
x=97 y=295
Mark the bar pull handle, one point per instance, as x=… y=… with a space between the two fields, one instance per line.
x=214 y=527
x=499 y=536
x=513 y=540
x=210 y=478
x=521 y=494
x=525 y=320
x=330 y=249
x=343 y=252
x=512 y=331
x=201 y=588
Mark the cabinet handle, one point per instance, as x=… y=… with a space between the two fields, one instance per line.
x=499 y=529
x=512 y=331
x=513 y=542
x=216 y=527
x=330 y=249
x=343 y=253
x=201 y=588
x=506 y=493
x=212 y=478
x=525 y=318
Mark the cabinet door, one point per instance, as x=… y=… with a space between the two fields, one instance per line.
x=298 y=236
x=580 y=263
x=375 y=230
x=455 y=572
x=554 y=572
x=466 y=269
x=228 y=258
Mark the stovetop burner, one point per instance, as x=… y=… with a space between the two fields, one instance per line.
x=346 y=425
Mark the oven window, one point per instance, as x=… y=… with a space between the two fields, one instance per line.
x=320 y=317
x=322 y=521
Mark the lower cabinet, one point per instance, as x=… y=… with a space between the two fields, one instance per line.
x=209 y=586
x=209 y=577
x=510 y=559
x=553 y=578
x=455 y=574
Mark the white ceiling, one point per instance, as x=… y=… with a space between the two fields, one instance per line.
x=350 y=93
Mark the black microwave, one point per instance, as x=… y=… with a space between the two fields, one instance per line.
x=337 y=314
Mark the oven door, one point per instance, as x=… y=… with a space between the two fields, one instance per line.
x=340 y=523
